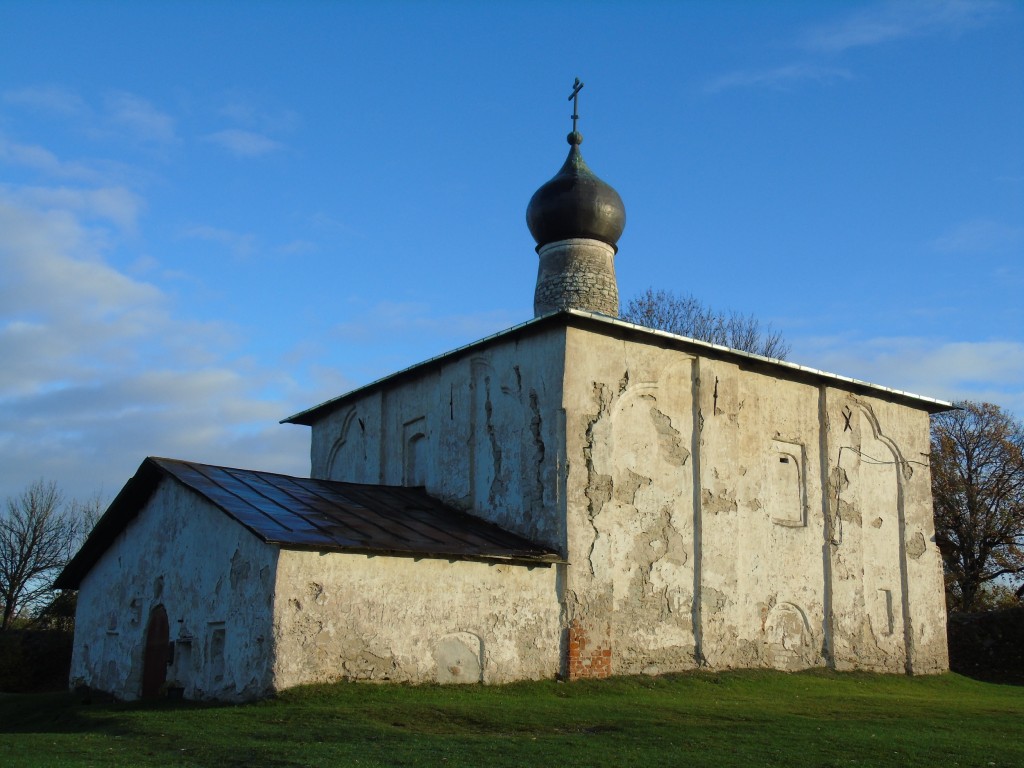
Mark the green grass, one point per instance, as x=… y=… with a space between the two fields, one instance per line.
x=728 y=719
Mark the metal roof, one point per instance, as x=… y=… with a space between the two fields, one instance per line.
x=322 y=515
x=599 y=323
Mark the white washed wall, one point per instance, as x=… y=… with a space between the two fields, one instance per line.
x=348 y=616
x=208 y=572
x=708 y=511
x=700 y=499
x=482 y=432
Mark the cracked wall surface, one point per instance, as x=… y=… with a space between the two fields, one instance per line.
x=732 y=518
x=352 y=617
x=211 y=576
x=885 y=566
x=762 y=554
x=628 y=420
x=711 y=513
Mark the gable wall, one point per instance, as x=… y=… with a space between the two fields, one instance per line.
x=726 y=516
x=348 y=616
x=482 y=432
x=215 y=581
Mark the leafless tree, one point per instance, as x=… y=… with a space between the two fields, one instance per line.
x=977 y=463
x=686 y=315
x=37 y=535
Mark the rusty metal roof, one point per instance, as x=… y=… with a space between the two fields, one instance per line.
x=323 y=515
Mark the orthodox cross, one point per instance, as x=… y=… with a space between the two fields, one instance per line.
x=574 y=97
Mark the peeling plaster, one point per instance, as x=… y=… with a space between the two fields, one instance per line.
x=916 y=546
x=627 y=489
x=716 y=505
x=661 y=496
x=179 y=552
x=669 y=440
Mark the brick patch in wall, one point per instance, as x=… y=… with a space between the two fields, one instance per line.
x=586 y=658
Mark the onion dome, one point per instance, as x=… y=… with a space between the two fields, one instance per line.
x=575 y=203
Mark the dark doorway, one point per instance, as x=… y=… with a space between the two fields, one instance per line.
x=154 y=661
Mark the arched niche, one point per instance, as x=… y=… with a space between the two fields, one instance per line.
x=347 y=457
x=459 y=657
x=788 y=641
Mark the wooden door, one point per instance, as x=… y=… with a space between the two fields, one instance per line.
x=154 y=660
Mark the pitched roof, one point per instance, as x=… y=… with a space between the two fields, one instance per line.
x=610 y=326
x=322 y=515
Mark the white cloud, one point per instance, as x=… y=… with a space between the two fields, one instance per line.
x=121 y=116
x=40 y=159
x=47 y=98
x=388 y=320
x=64 y=309
x=244 y=113
x=99 y=371
x=979 y=236
x=880 y=23
x=298 y=247
x=140 y=119
x=778 y=77
x=891 y=21
x=117 y=205
x=239 y=243
x=948 y=370
x=244 y=143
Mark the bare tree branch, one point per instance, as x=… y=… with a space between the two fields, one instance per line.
x=37 y=534
x=685 y=315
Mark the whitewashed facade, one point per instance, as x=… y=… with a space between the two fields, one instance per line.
x=714 y=508
x=708 y=507
x=673 y=505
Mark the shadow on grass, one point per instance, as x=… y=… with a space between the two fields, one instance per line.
x=726 y=720
x=988 y=646
x=995 y=677
x=77 y=712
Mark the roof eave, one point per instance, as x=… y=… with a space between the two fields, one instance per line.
x=153 y=470
x=529 y=559
x=795 y=370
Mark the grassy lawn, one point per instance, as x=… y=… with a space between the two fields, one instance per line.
x=728 y=719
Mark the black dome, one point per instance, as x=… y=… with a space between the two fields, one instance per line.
x=575 y=203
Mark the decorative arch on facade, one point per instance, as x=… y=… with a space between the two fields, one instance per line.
x=880 y=600
x=789 y=642
x=414 y=453
x=342 y=448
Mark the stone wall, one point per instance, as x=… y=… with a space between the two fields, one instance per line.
x=576 y=274
x=629 y=455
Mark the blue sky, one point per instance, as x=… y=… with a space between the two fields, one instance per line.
x=213 y=215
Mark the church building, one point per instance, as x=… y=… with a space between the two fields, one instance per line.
x=576 y=496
